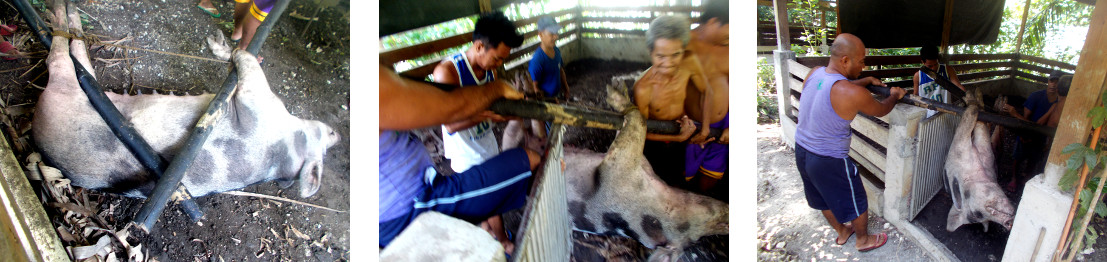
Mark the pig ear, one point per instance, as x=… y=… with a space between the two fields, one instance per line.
x=311 y=177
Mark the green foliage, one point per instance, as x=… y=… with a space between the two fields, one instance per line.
x=766 y=92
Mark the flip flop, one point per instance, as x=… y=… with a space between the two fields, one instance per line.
x=847 y=239
x=7 y=48
x=211 y=11
x=883 y=238
x=7 y=30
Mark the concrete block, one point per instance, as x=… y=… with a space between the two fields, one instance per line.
x=1040 y=216
x=629 y=49
x=434 y=236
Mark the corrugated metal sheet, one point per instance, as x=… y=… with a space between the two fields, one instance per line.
x=546 y=228
x=935 y=136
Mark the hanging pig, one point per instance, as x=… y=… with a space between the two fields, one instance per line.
x=255 y=140
x=617 y=193
x=971 y=177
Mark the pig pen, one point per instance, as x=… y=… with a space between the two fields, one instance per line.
x=308 y=70
x=903 y=153
x=588 y=78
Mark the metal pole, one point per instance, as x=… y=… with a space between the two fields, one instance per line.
x=154 y=205
x=119 y=126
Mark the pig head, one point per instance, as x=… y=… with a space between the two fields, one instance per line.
x=617 y=193
x=971 y=177
x=255 y=140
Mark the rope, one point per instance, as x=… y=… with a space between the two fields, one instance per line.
x=92 y=40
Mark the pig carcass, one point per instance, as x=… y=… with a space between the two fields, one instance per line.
x=255 y=140
x=971 y=177
x=617 y=193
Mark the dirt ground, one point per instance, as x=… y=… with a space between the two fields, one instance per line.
x=309 y=72
x=789 y=230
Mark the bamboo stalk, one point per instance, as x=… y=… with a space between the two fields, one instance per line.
x=1087 y=217
x=1075 y=200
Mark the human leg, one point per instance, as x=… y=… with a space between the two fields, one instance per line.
x=844 y=231
x=493 y=187
x=705 y=165
x=866 y=242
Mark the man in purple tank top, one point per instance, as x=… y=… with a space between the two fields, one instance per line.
x=829 y=102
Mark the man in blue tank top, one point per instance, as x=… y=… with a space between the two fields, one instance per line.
x=828 y=104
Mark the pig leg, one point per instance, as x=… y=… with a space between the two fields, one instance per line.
x=78 y=47
x=62 y=74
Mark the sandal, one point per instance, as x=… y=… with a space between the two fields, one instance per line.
x=882 y=238
x=7 y=30
x=210 y=10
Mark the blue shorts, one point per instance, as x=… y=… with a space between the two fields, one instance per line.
x=832 y=184
x=494 y=187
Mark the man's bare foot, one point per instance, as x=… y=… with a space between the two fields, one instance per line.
x=846 y=232
x=870 y=242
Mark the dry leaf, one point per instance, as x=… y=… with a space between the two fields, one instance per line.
x=298 y=234
x=84 y=252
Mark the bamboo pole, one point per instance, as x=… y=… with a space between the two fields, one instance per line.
x=1002 y=120
x=1076 y=199
x=1087 y=217
x=1022 y=27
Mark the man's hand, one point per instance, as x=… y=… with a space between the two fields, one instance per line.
x=687 y=127
x=876 y=82
x=725 y=137
x=897 y=92
x=701 y=137
x=508 y=90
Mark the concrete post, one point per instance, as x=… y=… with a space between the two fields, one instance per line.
x=1039 y=221
x=899 y=166
x=783 y=95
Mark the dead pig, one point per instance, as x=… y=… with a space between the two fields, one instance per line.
x=255 y=140
x=617 y=193
x=971 y=177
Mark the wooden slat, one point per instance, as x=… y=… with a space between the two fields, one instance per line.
x=396 y=55
x=876 y=170
x=1035 y=68
x=534 y=19
x=646 y=20
x=867 y=151
x=678 y=9
x=1040 y=79
x=965 y=57
x=795 y=85
x=1062 y=65
x=889 y=73
x=972 y=76
x=813 y=61
x=564 y=33
x=525 y=50
x=870 y=129
x=880 y=60
x=614 y=31
x=798 y=69
x=974 y=66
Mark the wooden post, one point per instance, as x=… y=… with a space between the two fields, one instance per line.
x=1022 y=27
x=783 y=39
x=947 y=21
x=1087 y=85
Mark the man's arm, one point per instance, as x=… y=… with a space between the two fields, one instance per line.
x=407 y=104
x=699 y=80
x=867 y=81
x=915 y=85
x=564 y=83
x=848 y=100
x=953 y=77
x=444 y=73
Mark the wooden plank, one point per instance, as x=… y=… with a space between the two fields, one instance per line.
x=675 y=9
x=813 y=61
x=966 y=57
x=867 y=151
x=870 y=129
x=796 y=85
x=889 y=73
x=646 y=20
x=1040 y=79
x=1087 y=85
x=527 y=49
x=798 y=69
x=396 y=55
x=1054 y=63
x=980 y=75
x=419 y=13
x=783 y=39
x=986 y=65
x=876 y=170
x=1035 y=68
x=614 y=31
x=534 y=19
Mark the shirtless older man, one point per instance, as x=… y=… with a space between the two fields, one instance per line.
x=705 y=164
x=661 y=92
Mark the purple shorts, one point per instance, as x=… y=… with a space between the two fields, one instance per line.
x=259 y=8
x=710 y=160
